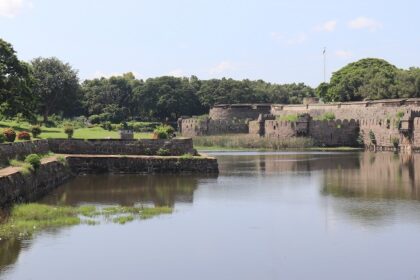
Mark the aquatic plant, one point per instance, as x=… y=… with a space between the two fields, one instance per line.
x=26 y=219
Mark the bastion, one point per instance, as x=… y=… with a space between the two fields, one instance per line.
x=379 y=124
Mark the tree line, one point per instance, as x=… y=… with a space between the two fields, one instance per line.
x=48 y=86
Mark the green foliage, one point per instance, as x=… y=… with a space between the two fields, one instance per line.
x=372 y=137
x=252 y=142
x=69 y=130
x=26 y=219
x=395 y=142
x=23 y=135
x=9 y=134
x=328 y=116
x=36 y=131
x=56 y=87
x=370 y=78
x=289 y=118
x=106 y=125
x=163 y=152
x=2 y=137
x=15 y=84
x=34 y=160
x=164 y=132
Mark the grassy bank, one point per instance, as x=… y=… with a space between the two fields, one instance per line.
x=245 y=142
x=26 y=219
x=79 y=133
x=250 y=142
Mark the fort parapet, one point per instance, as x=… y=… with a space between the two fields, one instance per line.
x=379 y=124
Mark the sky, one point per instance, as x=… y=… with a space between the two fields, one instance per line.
x=278 y=41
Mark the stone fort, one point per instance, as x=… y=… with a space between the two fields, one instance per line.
x=378 y=124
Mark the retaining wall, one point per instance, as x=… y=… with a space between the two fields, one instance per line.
x=20 y=150
x=18 y=187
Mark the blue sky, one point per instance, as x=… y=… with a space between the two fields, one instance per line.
x=277 y=41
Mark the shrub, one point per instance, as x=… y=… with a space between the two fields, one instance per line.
x=2 y=138
x=163 y=152
x=95 y=119
x=164 y=132
x=372 y=137
x=107 y=125
x=36 y=130
x=395 y=142
x=69 y=130
x=9 y=134
x=24 y=135
x=328 y=116
x=34 y=160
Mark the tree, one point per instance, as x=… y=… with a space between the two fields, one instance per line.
x=56 y=87
x=15 y=83
x=112 y=99
x=368 y=78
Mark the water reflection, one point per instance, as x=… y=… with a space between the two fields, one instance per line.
x=125 y=190
x=265 y=217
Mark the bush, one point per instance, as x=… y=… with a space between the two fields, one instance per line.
x=36 y=130
x=163 y=132
x=9 y=134
x=34 y=160
x=372 y=137
x=106 y=125
x=95 y=119
x=24 y=135
x=69 y=130
x=163 y=152
x=328 y=116
x=2 y=138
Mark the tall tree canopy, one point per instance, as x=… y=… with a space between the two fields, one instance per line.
x=15 y=83
x=370 y=78
x=56 y=87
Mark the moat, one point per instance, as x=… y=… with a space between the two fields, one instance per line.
x=290 y=215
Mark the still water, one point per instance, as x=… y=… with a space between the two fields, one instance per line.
x=266 y=216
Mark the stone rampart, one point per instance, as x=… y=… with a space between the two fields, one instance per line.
x=238 y=111
x=334 y=133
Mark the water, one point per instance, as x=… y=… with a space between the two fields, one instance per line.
x=266 y=216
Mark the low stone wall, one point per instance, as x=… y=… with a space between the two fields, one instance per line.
x=20 y=150
x=18 y=187
x=198 y=127
x=175 y=147
x=115 y=164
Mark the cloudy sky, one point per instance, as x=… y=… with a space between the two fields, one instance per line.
x=275 y=40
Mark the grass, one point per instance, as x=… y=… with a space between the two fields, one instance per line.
x=289 y=118
x=250 y=142
x=25 y=220
x=79 y=133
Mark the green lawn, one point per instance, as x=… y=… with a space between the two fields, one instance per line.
x=81 y=133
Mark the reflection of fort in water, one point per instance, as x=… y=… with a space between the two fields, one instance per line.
x=369 y=175
x=126 y=190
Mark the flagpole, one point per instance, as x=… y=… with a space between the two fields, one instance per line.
x=325 y=64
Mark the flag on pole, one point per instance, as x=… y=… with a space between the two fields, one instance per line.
x=325 y=49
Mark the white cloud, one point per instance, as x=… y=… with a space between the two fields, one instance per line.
x=222 y=67
x=328 y=26
x=343 y=54
x=176 y=73
x=291 y=40
x=11 y=8
x=365 y=23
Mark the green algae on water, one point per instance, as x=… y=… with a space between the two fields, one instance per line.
x=26 y=219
